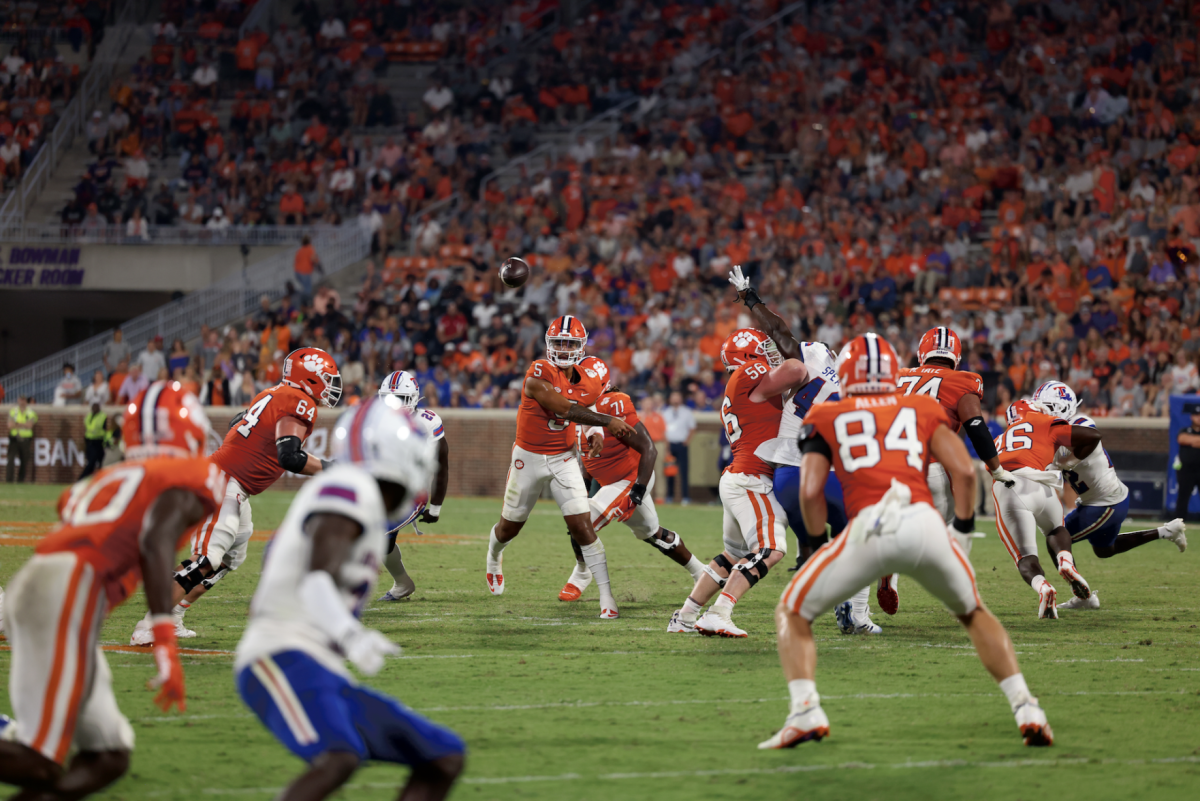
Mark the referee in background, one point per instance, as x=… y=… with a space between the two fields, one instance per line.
x=21 y=421
x=1188 y=472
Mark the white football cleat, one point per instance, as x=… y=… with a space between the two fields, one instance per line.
x=609 y=614
x=1176 y=532
x=1046 y=598
x=811 y=724
x=711 y=624
x=678 y=625
x=8 y=729
x=1031 y=720
x=143 y=634
x=182 y=632
x=847 y=623
x=1092 y=602
x=1079 y=585
x=495 y=575
x=397 y=593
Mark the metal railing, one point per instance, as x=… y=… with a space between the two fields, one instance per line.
x=742 y=49
x=261 y=235
x=227 y=301
x=74 y=117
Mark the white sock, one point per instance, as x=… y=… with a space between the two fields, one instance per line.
x=495 y=548
x=1037 y=583
x=860 y=608
x=695 y=567
x=1016 y=691
x=690 y=611
x=181 y=608
x=593 y=555
x=580 y=574
x=1065 y=556
x=724 y=605
x=804 y=694
x=395 y=566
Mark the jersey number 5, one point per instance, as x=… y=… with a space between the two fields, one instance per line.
x=900 y=436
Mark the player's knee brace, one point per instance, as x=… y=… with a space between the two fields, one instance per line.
x=212 y=580
x=668 y=542
x=755 y=570
x=191 y=574
x=724 y=564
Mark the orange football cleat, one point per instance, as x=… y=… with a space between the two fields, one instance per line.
x=570 y=592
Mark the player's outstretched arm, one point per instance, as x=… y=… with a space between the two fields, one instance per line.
x=971 y=412
x=555 y=403
x=770 y=322
x=792 y=373
x=648 y=455
x=289 y=447
x=440 y=482
x=333 y=536
x=171 y=514
x=951 y=452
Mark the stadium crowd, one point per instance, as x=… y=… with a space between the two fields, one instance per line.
x=1029 y=179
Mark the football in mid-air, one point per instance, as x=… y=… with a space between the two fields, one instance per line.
x=514 y=272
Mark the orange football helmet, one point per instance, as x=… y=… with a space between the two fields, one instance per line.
x=1017 y=410
x=747 y=344
x=565 y=339
x=314 y=371
x=165 y=420
x=940 y=343
x=868 y=365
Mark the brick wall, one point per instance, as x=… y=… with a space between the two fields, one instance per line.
x=480 y=445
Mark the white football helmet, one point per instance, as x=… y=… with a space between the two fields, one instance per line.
x=1058 y=398
x=387 y=444
x=400 y=390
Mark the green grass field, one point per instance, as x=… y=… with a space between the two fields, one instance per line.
x=555 y=703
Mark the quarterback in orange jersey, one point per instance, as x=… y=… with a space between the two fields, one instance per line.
x=261 y=443
x=555 y=396
x=624 y=469
x=959 y=392
x=879 y=444
x=754 y=524
x=118 y=527
x=1031 y=505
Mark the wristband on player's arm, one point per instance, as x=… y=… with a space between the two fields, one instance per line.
x=751 y=298
x=981 y=438
x=291 y=454
x=964 y=526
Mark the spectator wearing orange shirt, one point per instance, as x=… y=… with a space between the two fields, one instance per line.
x=306 y=261
x=291 y=207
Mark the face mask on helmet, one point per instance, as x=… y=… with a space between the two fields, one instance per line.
x=564 y=351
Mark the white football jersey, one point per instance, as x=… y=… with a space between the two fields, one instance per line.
x=278 y=621
x=1094 y=479
x=822 y=386
x=430 y=423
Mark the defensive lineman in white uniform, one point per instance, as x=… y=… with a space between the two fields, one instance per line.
x=1102 y=501
x=400 y=391
x=318 y=573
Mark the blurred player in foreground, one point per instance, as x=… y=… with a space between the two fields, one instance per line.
x=120 y=526
x=317 y=575
x=261 y=443
x=854 y=615
x=625 y=471
x=879 y=443
x=753 y=529
x=554 y=397
x=1027 y=447
x=1101 y=499
x=400 y=391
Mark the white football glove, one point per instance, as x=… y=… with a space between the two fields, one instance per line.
x=740 y=282
x=366 y=649
x=1004 y=477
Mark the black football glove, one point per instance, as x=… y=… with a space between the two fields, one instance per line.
x=427 y=518
x=637 y=493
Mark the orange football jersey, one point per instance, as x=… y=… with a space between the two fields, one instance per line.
x=944 y=385
x=1032 y=441
x=102 y=517
x=749 y=424
x=539 y=431
x=617 y=462
x=248 y=452
x=875 y=438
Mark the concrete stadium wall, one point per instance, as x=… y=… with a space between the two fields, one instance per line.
x=481 y=446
